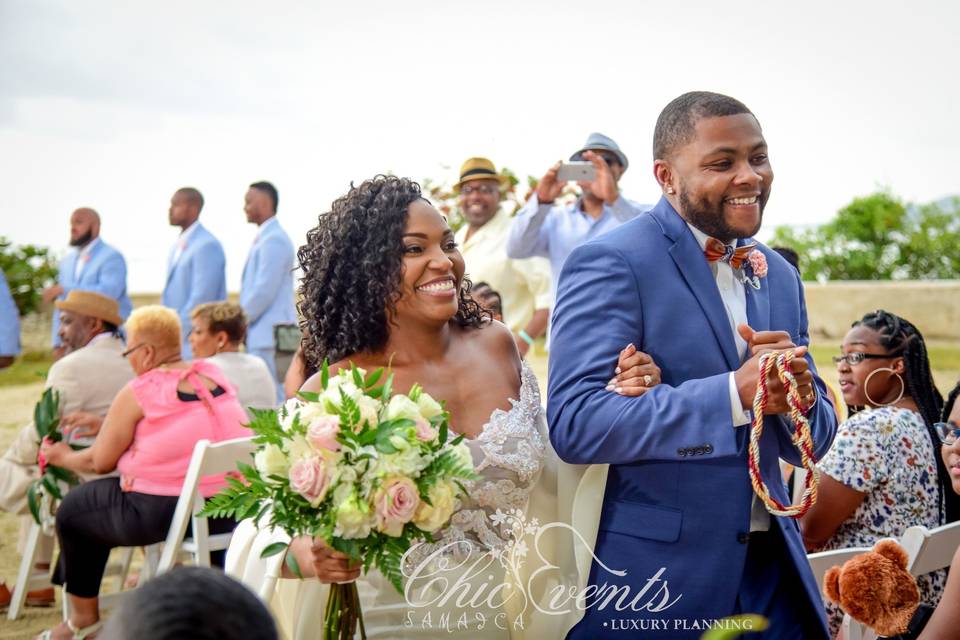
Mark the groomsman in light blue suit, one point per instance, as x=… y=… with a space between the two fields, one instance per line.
x=266 y=291
x=687 y=284
x=92 y=266
x=196 y=268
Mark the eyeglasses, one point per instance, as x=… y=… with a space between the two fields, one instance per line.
x=131 y=350
x=948 y=432
x=485 y=189
x=856 y=357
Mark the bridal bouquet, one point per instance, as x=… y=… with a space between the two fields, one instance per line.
x=367 y=471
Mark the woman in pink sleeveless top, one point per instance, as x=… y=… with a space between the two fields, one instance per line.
x=148 y=436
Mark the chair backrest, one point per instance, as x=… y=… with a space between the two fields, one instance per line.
x=208 y=459
x=931 y=549
x=821 y=561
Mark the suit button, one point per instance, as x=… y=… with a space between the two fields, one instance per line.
x=700 y=451
x=743 y=538
x=708 y=449
x=681 y=452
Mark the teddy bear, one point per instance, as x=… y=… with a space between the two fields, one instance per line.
x=875 y=588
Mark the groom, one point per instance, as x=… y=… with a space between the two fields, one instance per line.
x=679 y=514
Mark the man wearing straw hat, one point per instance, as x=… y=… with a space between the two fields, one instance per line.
x=524 y=285
x=543 y=228
x=87 y=379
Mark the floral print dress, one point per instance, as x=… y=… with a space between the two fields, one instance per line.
x=887 y=454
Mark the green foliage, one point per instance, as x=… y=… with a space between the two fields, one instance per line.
x=46 y=420
x=878 y=237
x=28 y=270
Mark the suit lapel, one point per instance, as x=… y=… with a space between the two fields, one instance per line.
x=688 y=256
x=758 y=305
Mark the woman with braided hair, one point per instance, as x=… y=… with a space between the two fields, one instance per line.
x=883 y=472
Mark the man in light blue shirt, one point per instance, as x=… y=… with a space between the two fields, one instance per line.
x=93 y=265
x=196 y=268
x=9 y=325
x=266 y=290
x=541 y=228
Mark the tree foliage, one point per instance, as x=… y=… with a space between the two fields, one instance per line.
x=878 y=237
x=28 y=269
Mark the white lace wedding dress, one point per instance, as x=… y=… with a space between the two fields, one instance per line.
x=455 y=586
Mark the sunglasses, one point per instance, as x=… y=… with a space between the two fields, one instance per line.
x=856 y=357
x=131 y=350
x=485 y=189
x=948 y=432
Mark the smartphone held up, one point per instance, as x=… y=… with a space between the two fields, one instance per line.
x=576 y=171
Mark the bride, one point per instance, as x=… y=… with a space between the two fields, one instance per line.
x=384 y=285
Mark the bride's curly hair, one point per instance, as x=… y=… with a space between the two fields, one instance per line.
x=353 y=270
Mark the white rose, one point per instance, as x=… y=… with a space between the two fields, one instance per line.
x=369 y=410
x=408 y=462
x=443 y=495
x=402 y=407
x=288 y=411
x=298 y=447
x=428 y=406
x=334 y=386
x=354 y=518
x=463 y=452
x=271 y=461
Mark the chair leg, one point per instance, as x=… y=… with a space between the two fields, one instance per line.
x=126 y=557
x=23 y=575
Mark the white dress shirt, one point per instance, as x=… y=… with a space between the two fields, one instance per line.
x=83 y=258
x=734 y=297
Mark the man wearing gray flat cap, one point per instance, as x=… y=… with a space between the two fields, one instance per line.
x=542 y=228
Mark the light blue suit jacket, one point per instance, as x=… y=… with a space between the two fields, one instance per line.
x=678 y=493
x=105 y=272
x=198 y=276
x=9 y=321
x=266 y=290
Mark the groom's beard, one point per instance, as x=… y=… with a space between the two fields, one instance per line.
x=708 y=216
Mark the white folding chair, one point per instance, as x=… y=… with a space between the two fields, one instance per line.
x=32 y=578
x=821 y=561
x=930 y=549
x=208 y=460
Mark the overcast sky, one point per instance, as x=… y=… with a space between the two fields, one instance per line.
x=116 y=104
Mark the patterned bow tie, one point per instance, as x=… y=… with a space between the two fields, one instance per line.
x=715 y=250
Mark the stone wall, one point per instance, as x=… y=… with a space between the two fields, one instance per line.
x=934 y=306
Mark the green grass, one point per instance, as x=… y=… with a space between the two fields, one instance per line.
x=30 y=367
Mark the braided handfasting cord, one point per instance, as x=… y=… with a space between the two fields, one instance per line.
x=801 y=436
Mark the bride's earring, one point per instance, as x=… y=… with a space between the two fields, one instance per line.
x=866 y=386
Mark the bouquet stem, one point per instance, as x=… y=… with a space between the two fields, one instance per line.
x=343 y=613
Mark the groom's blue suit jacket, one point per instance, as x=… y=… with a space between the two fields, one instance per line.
x=678 y=494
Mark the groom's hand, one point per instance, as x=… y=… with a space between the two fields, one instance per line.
x=763 y=341
x=748 y=376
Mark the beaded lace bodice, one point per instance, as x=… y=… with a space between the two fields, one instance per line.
x=508 y=455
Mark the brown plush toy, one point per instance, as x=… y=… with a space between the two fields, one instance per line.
x=875 y=588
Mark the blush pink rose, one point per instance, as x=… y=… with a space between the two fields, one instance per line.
x=308 y=477
x=758 y=263
x=395 y=504
x=425 y=431
x=322 y=433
